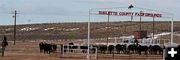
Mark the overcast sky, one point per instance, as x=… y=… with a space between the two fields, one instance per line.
x=44 y=11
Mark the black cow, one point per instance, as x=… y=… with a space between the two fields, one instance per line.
x=120 y=48
x=132 y=48
x=73 y=47
x=93 y=48
x=84 y=48
x=47 y=48
x=155 y=49
x=65 y=47
x=110 y=48
x=54 y=47
x=142 y=49
x=102 y=48
x=41 y=47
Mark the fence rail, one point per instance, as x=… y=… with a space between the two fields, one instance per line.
x=76 y=52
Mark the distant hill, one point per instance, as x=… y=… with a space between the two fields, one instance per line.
x=56 y=31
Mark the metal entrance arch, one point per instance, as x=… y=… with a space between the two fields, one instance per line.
x=132 y=12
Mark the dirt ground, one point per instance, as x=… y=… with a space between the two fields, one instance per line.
x=30 y=51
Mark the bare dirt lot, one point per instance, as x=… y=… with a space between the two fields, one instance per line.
x=30 y=51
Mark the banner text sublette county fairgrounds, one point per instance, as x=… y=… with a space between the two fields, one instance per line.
x=130 y=14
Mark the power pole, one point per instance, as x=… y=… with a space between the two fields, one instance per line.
x=153 y=26
x=108 y=29
x=15 y=15
x=140 y=21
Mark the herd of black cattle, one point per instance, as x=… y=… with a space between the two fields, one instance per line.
x=119 y=49
x=47 y=48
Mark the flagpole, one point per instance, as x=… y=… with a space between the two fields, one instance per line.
x=88 y=57
x=172 y=30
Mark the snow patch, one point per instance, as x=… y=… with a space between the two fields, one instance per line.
x=28 y=29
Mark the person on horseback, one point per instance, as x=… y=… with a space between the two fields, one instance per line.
x=136 y=42
x=4 y=44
